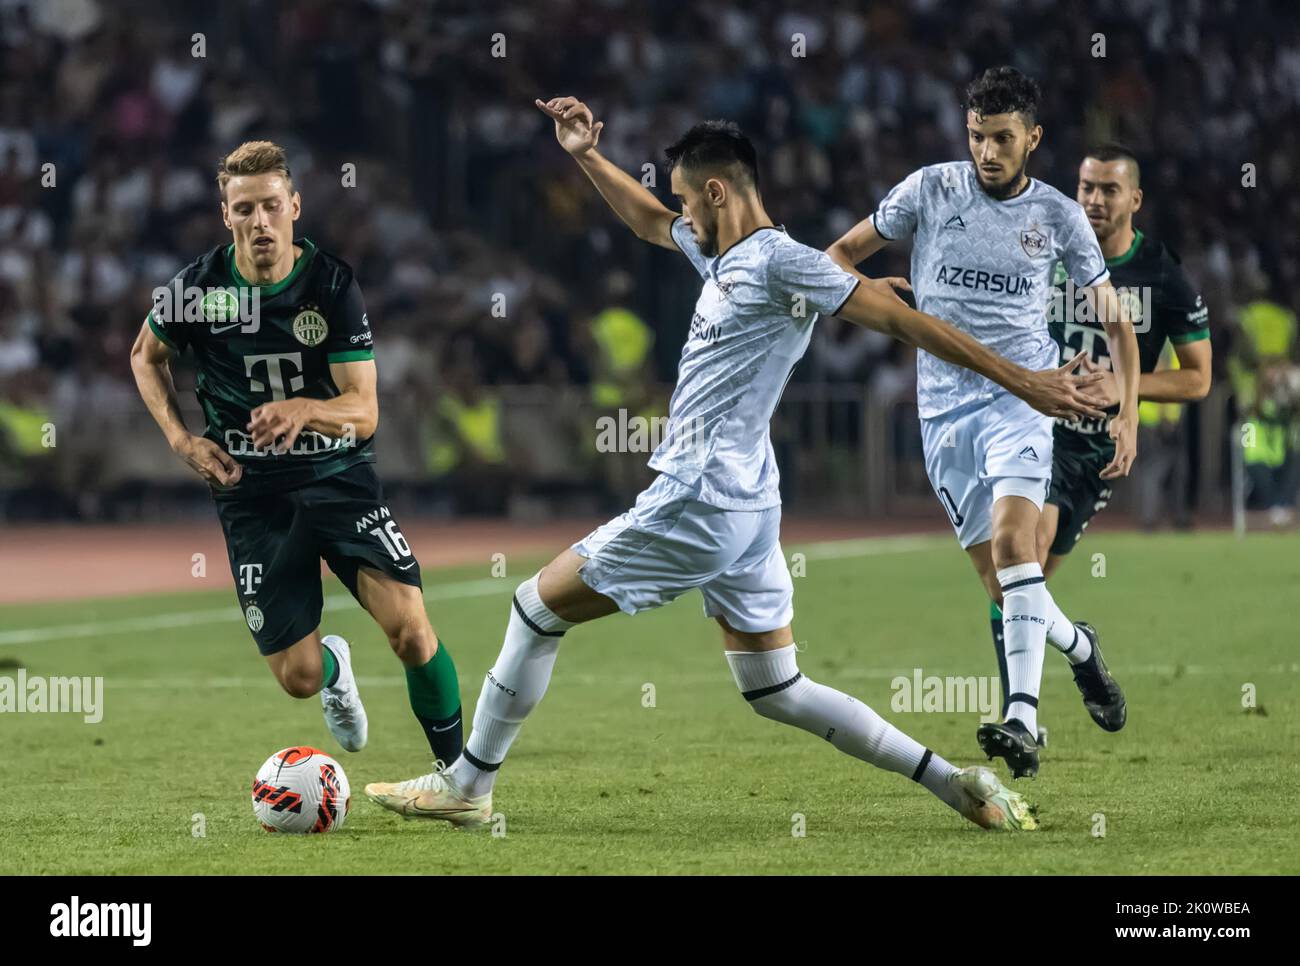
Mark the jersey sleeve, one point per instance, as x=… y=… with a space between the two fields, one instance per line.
x=686 y=242
x=806 y=279
x=895 y=216
x=1181 y=311
x=350 y=338
x=1078 y=249
x=166 y=318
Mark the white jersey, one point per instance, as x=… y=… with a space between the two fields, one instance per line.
x=986 y=267
x=752 y=323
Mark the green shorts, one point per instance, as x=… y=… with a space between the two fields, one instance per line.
x=277 y=541
x=1077 y=490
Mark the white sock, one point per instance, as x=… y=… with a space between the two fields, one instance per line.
x=1025 y=608
x=1064 y=636
x=771 y=682
x=511 y=689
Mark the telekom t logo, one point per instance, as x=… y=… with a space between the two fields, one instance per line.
x=250 y=576
x=278 y=366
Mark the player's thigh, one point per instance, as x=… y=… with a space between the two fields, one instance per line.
x=1016 y=446
x=953 y=468
x=754 y=595
x=667 y=544
x=276 y=569
x=298 y=667
x=398 y=609
x=562 y=589
x=1081 y=494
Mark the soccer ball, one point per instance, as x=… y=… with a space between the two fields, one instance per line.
x=301 y=790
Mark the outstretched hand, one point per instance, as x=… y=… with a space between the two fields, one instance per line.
x=1060 y=392
x=575 y=128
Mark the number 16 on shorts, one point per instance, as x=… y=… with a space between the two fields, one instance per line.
x=392 y=539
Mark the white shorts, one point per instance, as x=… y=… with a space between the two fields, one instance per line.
x=977 y=454
x=669 y=543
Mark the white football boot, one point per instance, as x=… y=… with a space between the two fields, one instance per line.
x=990 y=804
x=344 y=713
x=432 y=796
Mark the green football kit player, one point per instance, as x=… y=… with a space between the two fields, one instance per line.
x=1163 y=307
x=286 y=378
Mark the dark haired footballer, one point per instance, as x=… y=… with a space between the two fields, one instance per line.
x=286 y=377
x=1163 y=307
x=711 y=518
x=987 y=240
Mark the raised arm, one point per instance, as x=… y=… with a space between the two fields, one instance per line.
x=578 y=134
x=1055 y=392
x=151 y=365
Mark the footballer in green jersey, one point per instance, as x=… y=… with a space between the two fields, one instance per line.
x=286 y=378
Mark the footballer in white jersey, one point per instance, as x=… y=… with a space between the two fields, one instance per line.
x=985 y=240
x=711 y=518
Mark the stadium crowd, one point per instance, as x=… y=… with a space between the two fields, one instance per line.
x=488 y=261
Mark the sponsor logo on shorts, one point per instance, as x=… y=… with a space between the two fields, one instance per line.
x=1029 y=453
x=370 y=519
x=253 y=614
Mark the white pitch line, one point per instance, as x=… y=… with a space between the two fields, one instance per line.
x=851 y=673
x=456 y=590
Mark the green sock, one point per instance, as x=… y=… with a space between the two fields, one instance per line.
x=329 y=675
x=434 y=690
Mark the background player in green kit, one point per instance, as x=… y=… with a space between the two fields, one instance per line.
x=1162 y=305
x=286 y=379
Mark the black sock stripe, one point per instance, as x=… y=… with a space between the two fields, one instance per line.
x=921 y=767
x=1028 y=699
x=1000 y=648
x=774 y=689
x=1074 y=644
x=531 y=626
x=1023 y=583
x=479 y=763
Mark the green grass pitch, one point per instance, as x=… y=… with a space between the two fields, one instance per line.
x=600 y=783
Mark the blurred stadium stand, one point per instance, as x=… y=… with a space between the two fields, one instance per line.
x=461 y=194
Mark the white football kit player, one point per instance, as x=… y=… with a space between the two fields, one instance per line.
x=712 y=518
x=985 y=265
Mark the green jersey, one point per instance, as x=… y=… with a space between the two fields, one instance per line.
x=1162 y=305
x=253 y=344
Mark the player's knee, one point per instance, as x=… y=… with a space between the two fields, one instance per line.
x=1014 y=547
x=300 y=682
x=412 y=640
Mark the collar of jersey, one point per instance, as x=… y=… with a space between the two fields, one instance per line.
x=1128 y=255
x=740 y=241
x=308 y=252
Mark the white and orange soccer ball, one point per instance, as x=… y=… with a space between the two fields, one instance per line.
x=301 y=790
